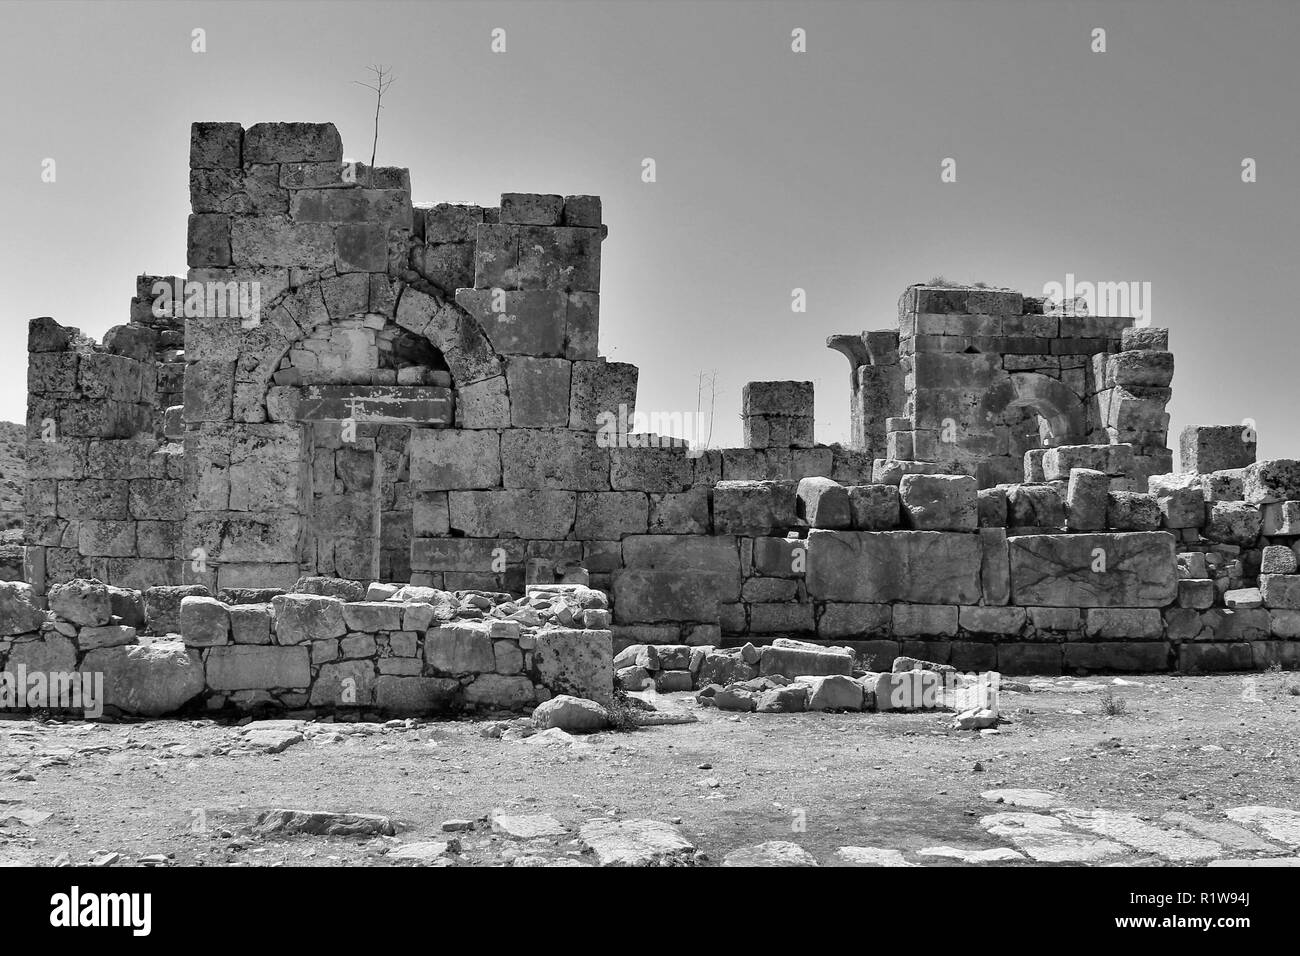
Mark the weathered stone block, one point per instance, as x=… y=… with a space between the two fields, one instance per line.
x=148 y=680
x=940 y=502
x=754 y=507
x=795 y=658
x=300 y=618
x=418 y=695
x=647 y=596
x=1035 y=506
x=1206 y=448
x=823 y=503
x=539 y=513
x=575 y=662
x=292 y=143
x=344 y=684
x=1233 y=522
x=1266 y=482
x=1132 y=511
x=997 y=621
x=81 y=602
x=205 y=622
x=923 y=567
x=925 y=620
x=1086 y=500
x=1133 y=569
x=461 y=648
x=609 y=515
x=1280 y=590
x=991 y=506
x=249 y=667
x=874 y=507
x=455 y=459
x=250 y=624
x=1124 y=623
x=539 y=391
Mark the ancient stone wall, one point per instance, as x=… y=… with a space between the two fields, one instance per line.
x=384 y=391
x=332 y=647
x=978 y=377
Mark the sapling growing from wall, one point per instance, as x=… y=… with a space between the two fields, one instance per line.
x=383 y=80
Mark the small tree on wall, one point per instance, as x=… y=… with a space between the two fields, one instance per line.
x=383 y=80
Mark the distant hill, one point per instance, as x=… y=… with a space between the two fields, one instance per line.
x=13 y=472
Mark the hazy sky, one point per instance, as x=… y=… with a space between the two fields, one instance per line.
x=776 y=170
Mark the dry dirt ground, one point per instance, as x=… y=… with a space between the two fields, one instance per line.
x=188 y=793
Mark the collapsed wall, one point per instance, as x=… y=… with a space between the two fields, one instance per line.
x=351 y=385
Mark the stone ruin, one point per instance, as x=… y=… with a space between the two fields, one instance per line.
x=349 y=392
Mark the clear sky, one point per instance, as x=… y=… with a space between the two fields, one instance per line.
x=775 y=170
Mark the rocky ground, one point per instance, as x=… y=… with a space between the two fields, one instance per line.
x=1163 y=770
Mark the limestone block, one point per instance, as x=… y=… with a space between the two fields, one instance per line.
x=874 y=507
x=1280 y=518
x=1123 y=623
x=855 y=621
x=215 y=145
x=1198 y=593
x=648 y=596
x=564 y=257
x=651 y=466
x=454 y=459
x=925 y=620
x=208 y=241
x=602 y=395
x=18 y=611
x=372 y=616
x=581 y=211
x=531 y=209
x=162 y=606
x=1086 y=500
x=301 y=618
x=1207 y=448
x=519 y=323
x=1233 y=522
x=540 y=513
x=823 y=503
x=1271 y=481
x=754 y=507
x=556 y=459
x=923 y=567
x=789 y=658
x=249 y=667
x=991 y=507
x=940 y=502
x=1130 y=569
x=609 y=515
x=500 y=692
x=277 y=241
x=539 y=391
x=460 y=648
x=1114 y=460
x=251 y=624
x=205 y=622
x=1180 y=507
x=292 y=143
x=1132 y=511
x=575 y=662
x=1280 y=590
x=1035 y=506
x=1277 y=559
x=684 y=512
x=344 y=684
x=997 y=621
x=80 y=602
x=1141 y=367
x=148 y=680
x=112 y=635
x=415 y=695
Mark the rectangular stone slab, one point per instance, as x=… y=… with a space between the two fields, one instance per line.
x=1123 y=569
x=383 y=404
x=920 y=567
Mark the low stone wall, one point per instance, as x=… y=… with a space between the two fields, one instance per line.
x=408 y=651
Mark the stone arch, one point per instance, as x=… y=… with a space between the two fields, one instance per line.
x=303 y=311
x=1055 y=403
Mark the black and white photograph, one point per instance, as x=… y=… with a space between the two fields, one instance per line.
x=650 y=434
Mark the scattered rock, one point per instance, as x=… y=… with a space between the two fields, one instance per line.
x=571 y=714
x=771 y=853
x=635 y=843
x=868 y=856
